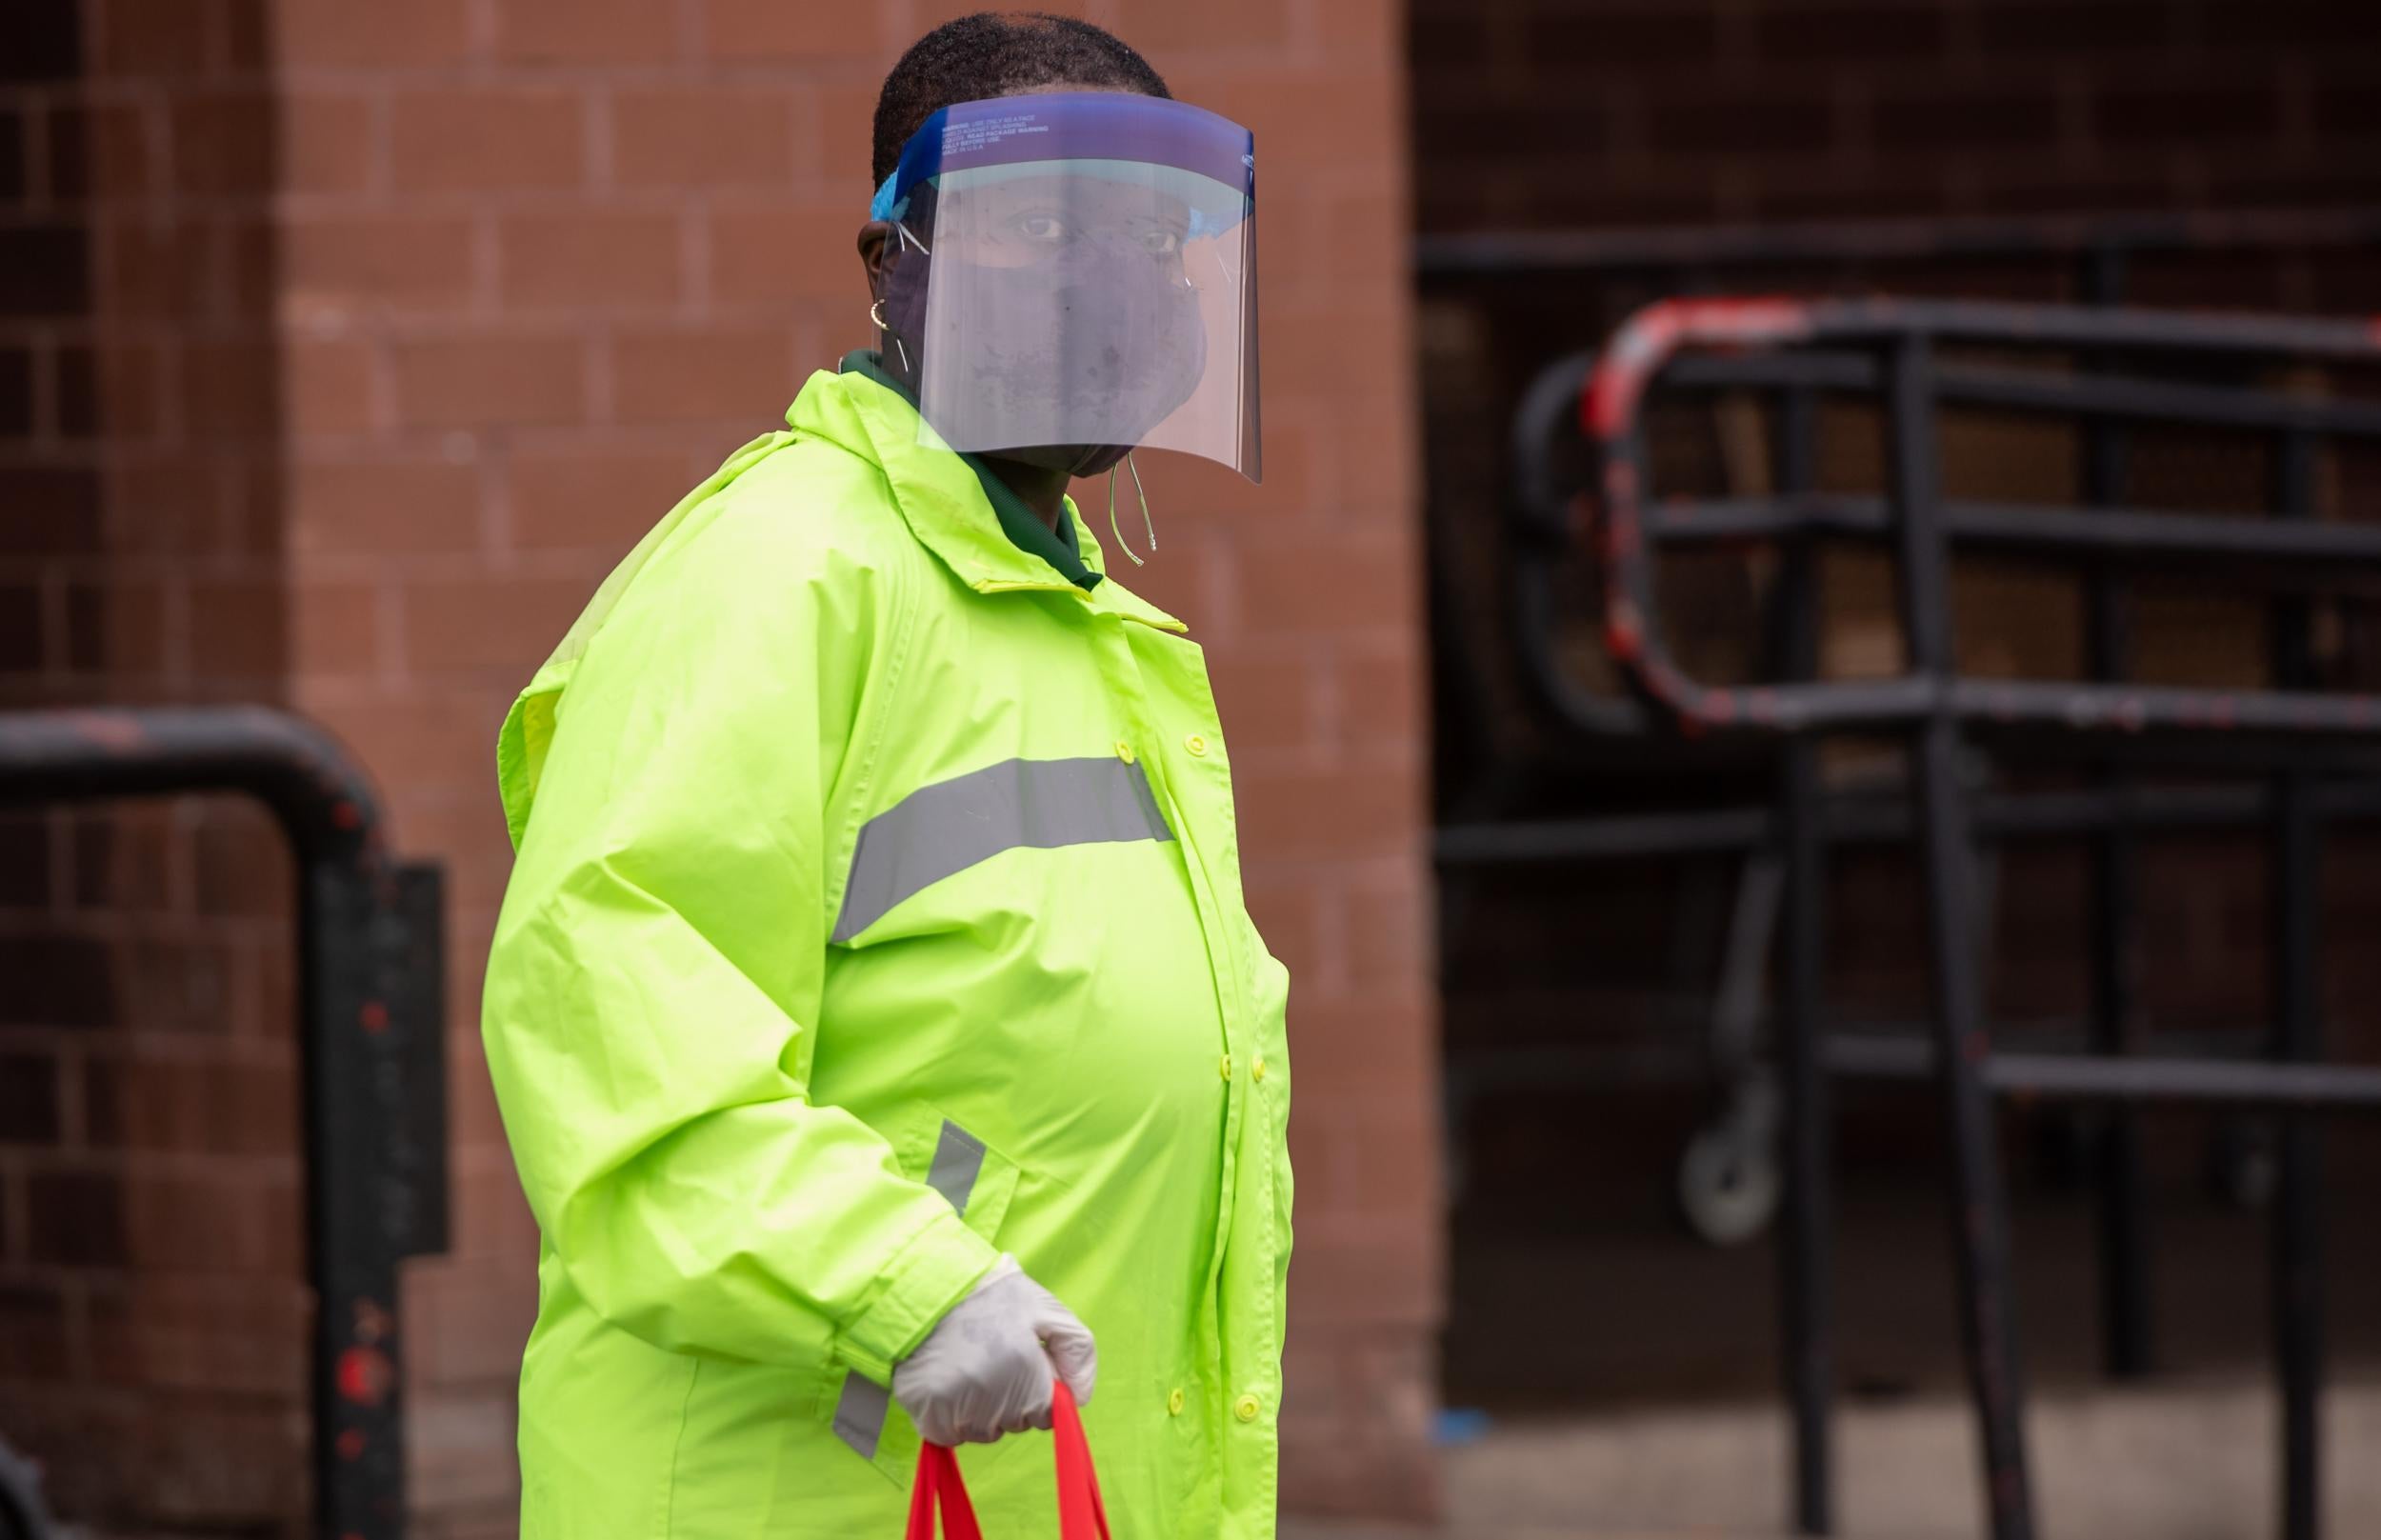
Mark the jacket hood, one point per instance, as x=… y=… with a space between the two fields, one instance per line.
x=946 y=499
x=529 y=726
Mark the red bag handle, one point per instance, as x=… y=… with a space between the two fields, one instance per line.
x=1081 y=1515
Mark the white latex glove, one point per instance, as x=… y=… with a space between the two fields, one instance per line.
x=986 y=1368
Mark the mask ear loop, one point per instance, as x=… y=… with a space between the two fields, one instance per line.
x=1147 y=523
x=1112 y=516
x=876 y=313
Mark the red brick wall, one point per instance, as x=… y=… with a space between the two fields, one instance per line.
x=150 y=1313
x=543 y=263
x=1575 y=112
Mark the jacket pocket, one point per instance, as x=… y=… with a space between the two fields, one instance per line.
x=977 y=1180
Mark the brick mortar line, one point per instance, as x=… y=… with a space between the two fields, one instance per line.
x=127 y=1163
x=789 y=74
x=226 y=1288
x=101 y=568
x=61 y=829
x=395 y=574
x=137 y=1398
x=117 y=924
x=15 y=1218
x=413 y=446
x=149 y=209
x=127 y=1045
x=73 y=1084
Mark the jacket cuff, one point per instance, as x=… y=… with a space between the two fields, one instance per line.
x=927 y=1277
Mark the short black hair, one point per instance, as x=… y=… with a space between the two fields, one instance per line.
x=997 y=53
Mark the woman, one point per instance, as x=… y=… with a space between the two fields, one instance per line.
x=875 y=1017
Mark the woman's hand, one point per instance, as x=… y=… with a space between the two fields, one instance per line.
x=986 y=1369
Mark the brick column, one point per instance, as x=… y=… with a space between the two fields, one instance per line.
x=1306 y=595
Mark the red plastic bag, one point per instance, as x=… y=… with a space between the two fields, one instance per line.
x=1080 y=1513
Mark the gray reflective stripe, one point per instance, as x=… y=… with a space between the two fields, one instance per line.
x=860 y=1410
x=958 y=1155
x=860 y=1413
x=940 y=829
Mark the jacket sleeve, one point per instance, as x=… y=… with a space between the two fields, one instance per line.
x=654 y=985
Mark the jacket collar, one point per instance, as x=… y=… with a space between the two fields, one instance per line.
x=954 y=506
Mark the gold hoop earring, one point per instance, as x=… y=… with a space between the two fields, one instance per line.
x=876 y=313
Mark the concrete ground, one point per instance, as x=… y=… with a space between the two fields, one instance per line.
x=1627 y=1375
x=2180 y=1462
x=2185 y=1461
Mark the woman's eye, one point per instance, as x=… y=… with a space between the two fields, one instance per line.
x=1161 y=243
x=1041 y=228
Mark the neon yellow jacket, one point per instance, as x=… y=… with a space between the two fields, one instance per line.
x=878 y=910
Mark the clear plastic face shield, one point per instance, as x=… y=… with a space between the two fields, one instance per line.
x=1073 y=277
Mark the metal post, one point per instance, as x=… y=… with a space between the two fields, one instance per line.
x=358 y=1419
x=2297 y=1235
x=1805 y=1262
x=2124 y=1243
x=1988 y=1310
x=371 y=1002
x=371 y=972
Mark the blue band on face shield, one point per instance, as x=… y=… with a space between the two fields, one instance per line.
x=1083 y=126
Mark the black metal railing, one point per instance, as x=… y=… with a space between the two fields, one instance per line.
x=22 y=1513
x=371 y=1018
x=2297 y=739
x=1531 y=290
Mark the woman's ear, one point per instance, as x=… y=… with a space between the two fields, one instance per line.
x=876 y=236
